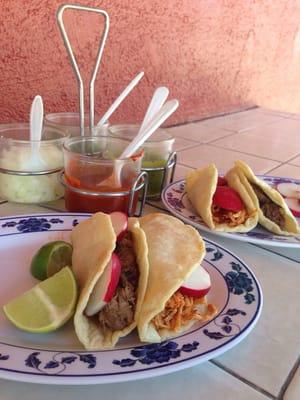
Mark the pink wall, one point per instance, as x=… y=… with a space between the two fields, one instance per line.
x=214 y=55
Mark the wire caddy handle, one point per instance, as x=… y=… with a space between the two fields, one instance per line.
x=75 y=67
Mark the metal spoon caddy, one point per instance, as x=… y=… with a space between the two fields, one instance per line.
x=140 y=184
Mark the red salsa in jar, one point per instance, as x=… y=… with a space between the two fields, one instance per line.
x=87 y=179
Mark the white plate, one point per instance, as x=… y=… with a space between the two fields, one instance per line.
x=58 y=358
x=176 y=201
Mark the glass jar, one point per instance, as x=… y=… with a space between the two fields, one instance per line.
x=96 y=180
x=69 y=123
x=29 y=170
x=157 y=151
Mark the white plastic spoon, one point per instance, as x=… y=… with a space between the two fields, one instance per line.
x=119 y=99
x=158 y=99
x=167 y=109
x=35 y=162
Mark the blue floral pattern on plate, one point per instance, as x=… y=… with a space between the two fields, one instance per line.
x=233 y=283
x=32 y=224
x=156 y=353
x=239 y=282
x=59 y=361
x=226 y=324
x=175 y=199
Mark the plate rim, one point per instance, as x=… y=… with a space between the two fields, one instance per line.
x=43 y=378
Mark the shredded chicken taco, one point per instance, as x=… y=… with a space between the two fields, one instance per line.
x=223 y=204
x=112 y=275
x=273 y=212
x=175 y=252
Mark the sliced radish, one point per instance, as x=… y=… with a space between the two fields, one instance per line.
x=289 y=190
x=227 y=198
x=105 y=287
x=221 y=181
x=119 y=222
x=197 y=284
x=293 y=205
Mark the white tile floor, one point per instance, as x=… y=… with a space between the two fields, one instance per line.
x=257 y=358
x=201 y=155
x=264 y=365
x=242 y=121
x=267 y=140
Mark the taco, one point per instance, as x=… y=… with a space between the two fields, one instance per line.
x=175 y=252
x=273 y=213
x=112 y=276
x=223 y=204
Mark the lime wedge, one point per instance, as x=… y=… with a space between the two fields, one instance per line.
x=46 y=306
x=50 y=259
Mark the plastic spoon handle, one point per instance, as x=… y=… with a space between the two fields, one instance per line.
x=167 y=109
x=159 y=97
x=119 y=99
x=36 y=119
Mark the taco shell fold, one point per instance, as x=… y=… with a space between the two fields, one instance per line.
x=201 y=185
x=175 y=250
x=93 y=242
x=249 y=179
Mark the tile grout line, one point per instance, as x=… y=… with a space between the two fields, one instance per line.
x=225 y=114
x=293 y=158
x=223 y=137
x=274 y=252
x=284 y=163
x=249 y=154
x=53 y=208
x=289 y=379
x=234 y=151
x=205 y=142
x=195 y=144
x=158 y=207
x=244 y=380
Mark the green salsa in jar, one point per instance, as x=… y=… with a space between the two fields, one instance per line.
x=155 y=176
x=157 y=150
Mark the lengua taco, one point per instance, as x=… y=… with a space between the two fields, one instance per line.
x=273 y=212
x=111 y=267
x=223 y=204
x=177 y=283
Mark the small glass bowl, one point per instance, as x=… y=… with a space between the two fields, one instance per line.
x=157 y=151
x=24 y=181
x=90 y=163
x=69 y=123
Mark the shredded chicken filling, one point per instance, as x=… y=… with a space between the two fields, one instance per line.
x=119 y=312
x=230 y=218
x=180 y=309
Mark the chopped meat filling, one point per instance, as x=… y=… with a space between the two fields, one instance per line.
x=180 y=309
x=119 y=312
x=230 y=218
x=270 y=210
